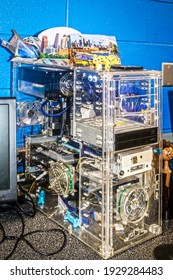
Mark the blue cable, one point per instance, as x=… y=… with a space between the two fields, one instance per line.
x=52 y=115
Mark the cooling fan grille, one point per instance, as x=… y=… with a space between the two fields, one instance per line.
x=66 y=84
x=61 y=178
x=29 y=113
x=133 y=203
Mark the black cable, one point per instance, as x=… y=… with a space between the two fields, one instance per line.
x=27 y=213
x=47 y=231
x=30 y=201
x=3 y=233
x=15 y=209
x=17 y=238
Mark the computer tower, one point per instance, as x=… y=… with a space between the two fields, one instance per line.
x=117 y=122
x=105 y=169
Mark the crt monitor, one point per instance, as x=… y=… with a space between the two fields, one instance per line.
x=8 y=173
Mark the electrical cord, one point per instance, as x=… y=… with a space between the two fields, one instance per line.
x=18 y=210
x=3 y=233
x=29 y=201
x=52 y=115
x=17 y=238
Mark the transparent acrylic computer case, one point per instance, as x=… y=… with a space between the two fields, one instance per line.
x=117 y=122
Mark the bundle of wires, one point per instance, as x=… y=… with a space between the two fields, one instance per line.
x=17 y=210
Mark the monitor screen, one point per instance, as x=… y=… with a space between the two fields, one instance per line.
x=7 y=149
x=4 y=147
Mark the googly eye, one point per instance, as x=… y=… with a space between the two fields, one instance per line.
x=90 y=78
x=94 y=79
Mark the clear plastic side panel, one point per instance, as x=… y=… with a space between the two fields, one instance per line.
x=117 y=122
x=44 y=100
x=30 y=120
x=136 y=191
